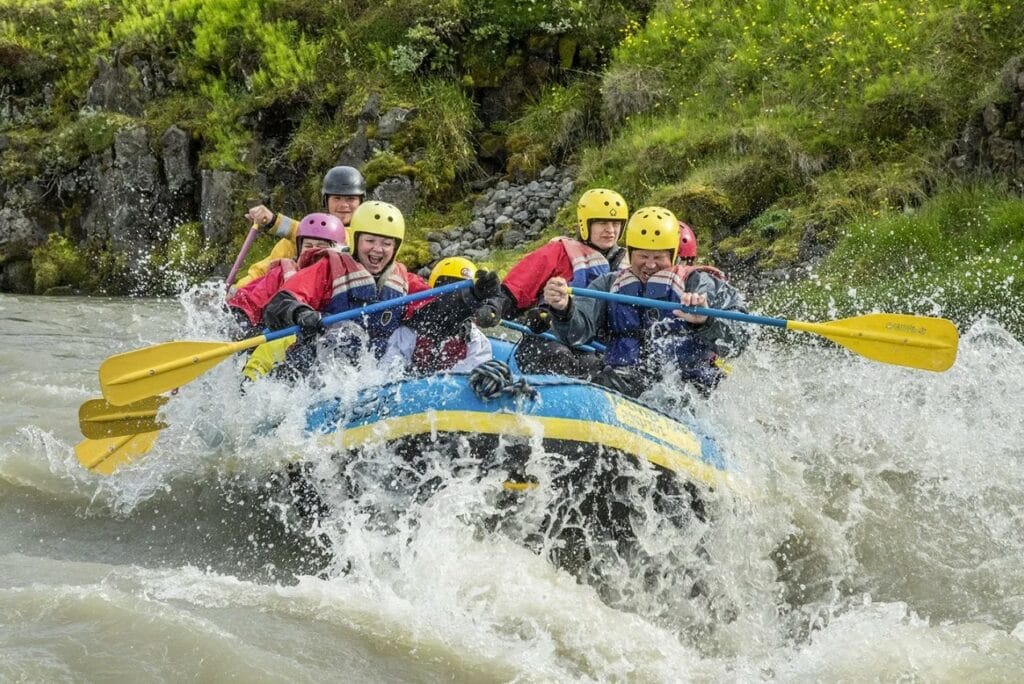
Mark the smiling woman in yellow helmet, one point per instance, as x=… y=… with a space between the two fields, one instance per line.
x=644 y=343
x=370 y=275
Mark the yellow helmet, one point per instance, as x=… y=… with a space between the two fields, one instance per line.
x=654 y=228
x=598 y=204
x=378 y=218
x=452 y=268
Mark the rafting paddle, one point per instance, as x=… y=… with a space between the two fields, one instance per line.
x=104 y=456
x=99 y=419
x=519 y=327
x=135 y=375
x=253 y=231
x=901 y=339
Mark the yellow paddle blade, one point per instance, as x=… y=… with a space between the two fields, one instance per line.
x=104 y=456
x=142 y=373
x=100 y=419
x=901 y=339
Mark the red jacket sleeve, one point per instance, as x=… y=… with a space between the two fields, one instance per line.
x=527 y=278
x=312 y=285
x=253 y=297
x=415 y=284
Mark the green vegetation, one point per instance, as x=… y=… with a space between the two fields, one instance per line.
x=776 y=128
x=959 y=256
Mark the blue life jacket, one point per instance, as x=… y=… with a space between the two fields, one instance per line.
x=656 y=337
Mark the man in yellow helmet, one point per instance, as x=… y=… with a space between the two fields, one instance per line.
x=644 y=343
x=594 y=251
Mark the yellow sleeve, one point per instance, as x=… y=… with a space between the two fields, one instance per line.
x=284 y=227
x=266 y=356
x=284 y=249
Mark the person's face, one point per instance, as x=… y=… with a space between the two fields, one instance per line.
x=646 y=262
x=309 y=243
x=343 y=206
x=375 y=252
x=604 y=233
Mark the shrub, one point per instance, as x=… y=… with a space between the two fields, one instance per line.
x=57 y=262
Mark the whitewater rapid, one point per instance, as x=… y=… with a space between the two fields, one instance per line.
x=878 y=534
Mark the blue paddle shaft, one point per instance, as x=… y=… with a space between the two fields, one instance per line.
x=670 y=306
x=512 y=325
x=374 y=308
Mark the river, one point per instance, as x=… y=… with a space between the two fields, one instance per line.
x=879 y=534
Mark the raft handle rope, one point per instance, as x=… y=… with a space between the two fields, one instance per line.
x=493 y=378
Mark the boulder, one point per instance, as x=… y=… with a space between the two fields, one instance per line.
x=18 y=233
x=398 y=190
x=215 y=206
x=129 y=204
x=177 y=159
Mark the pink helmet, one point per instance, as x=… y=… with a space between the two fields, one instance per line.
x=323 y=227
x=687 y=242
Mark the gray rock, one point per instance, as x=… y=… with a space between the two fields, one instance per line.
x=548 y=172
x=357 y=150
x=135 y=160
x=502 y=221
x=17 y=277
x=113 y=90
x=1003 y=152
x=124 y=88
x=521 y=217
x=370 y=110
x=177 y=158
x=399 y=190
x=392 y=121
x=129 y=202
x=511 y=238
x=1011 y=73
x=993 y=118
x=434 y=236
x=215 y=207
x=18 y=233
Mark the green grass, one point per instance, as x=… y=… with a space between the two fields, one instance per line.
x=960 y=256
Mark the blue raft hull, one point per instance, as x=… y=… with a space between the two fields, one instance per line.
x=571 y=416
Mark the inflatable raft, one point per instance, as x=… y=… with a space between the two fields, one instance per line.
x=600 y=461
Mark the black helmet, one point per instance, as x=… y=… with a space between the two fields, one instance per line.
x=343 y=180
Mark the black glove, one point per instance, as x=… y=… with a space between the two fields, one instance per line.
x=538 y=319
x=309 y=323
x=485 y=285
x=487 y=316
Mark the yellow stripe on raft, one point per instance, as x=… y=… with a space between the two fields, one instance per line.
x=685 y=459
